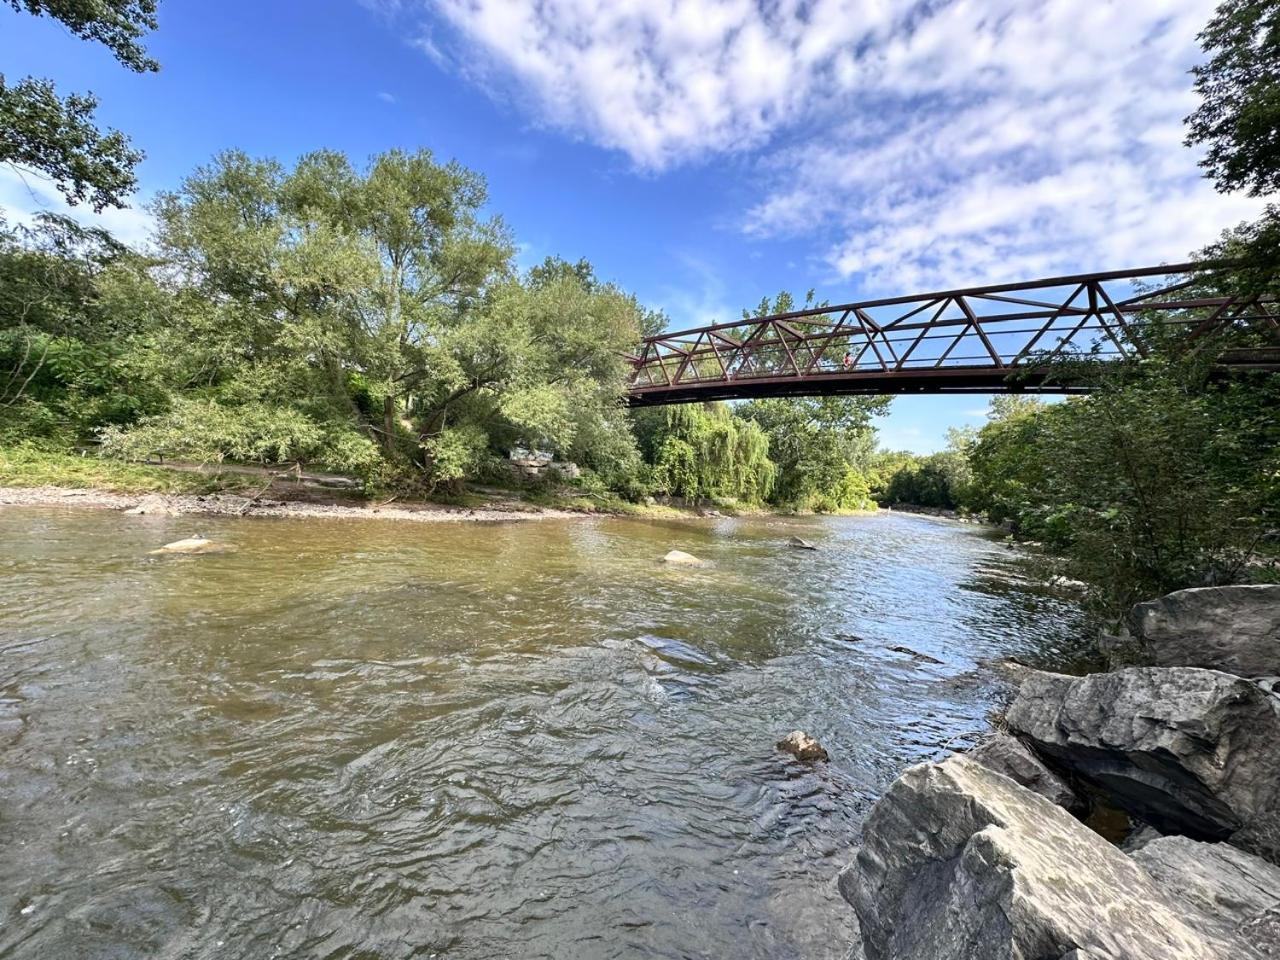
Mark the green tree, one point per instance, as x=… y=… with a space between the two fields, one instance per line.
x=1239 y=115
x=56 y=136
x=705 y=452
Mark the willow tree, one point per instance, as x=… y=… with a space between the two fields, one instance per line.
x=704 y=451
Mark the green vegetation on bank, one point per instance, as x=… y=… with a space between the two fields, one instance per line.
x=372 y=322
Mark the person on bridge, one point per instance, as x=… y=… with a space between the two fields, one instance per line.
x=847 y=362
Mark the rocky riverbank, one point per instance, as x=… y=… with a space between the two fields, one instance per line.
x=1131 y=814
x=233 y=505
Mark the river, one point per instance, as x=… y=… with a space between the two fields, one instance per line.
x=364 y=739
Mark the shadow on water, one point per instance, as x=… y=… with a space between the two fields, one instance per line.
x=366 y=740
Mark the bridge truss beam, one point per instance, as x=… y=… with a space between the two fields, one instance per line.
x=1000 y=338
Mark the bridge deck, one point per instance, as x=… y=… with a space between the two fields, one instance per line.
x=1002 y=338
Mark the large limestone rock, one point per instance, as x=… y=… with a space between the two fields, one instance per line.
x=1189 y=751
x=1234 y=629
x=1237 y=893
x=959 y=862
x=1005 y=754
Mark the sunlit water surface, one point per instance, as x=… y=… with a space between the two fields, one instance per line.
x=363 y=739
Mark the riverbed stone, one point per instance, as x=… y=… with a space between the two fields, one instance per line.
x=680 y=558
x=1189 y=751
x=960 y=862
x=1235 y=629
x=1008 y=755
x=1237 y=893
x=800 y=543
x=802 y=746
x=195 y=544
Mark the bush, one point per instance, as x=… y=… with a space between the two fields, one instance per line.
x=210 y=432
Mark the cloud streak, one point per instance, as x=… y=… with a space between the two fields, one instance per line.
x=916 y=145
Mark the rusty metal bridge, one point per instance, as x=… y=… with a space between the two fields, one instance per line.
x=995 y=339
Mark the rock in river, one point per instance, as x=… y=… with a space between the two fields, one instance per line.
x=1237 y=893
x=682 y=558
x=1190 y=751
x=154 y=505
x=959 y=862
x=802 y=746
x=800 y=543
x=1236 y=629
x=1005 y=754
x=195 y=544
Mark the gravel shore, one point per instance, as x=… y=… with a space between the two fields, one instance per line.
x=223 y=504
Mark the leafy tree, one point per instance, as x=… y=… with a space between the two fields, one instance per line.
x=705 y=452
x=1239 y=116
x=56 y=136
x=823 y=446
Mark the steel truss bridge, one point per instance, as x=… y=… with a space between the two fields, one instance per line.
x=998 y=339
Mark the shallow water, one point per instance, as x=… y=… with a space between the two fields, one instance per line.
x=364 y=739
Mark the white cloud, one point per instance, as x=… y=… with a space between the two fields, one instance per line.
x=386 y=97
x=24 y=194
x=918 y=145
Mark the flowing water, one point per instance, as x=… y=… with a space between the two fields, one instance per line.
x=367 y=739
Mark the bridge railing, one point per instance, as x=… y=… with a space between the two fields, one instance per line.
x=966 y=339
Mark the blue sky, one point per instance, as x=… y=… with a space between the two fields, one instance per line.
x=708 y=154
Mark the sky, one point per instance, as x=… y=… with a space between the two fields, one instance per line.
x=706 y=154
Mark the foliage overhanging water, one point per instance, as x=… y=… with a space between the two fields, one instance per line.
x=357 y=739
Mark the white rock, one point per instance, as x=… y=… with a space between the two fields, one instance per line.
x=192 y=545
x=680 y=557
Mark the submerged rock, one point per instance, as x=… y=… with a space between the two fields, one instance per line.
x=802 y=746
x=195 y=544
x=800 y=543
x=1238 y=893
x=1189 y=751
x=1235 y=629
x=154 y=505
x=682 y=558
x=1005 y=754
x=960 y=862
x=915 y=654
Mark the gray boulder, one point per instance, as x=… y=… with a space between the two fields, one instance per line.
x=1237 y=893
x=958 y=861
x=1188 y=751
x=1234 y=629
x=1005 y=754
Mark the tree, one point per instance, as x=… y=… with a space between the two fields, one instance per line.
x=1239 y=121
x=1239 y=116
x=823 y=446
x=705 y=452
x=56 y=136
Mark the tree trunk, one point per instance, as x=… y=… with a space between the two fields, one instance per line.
x=388 y=423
